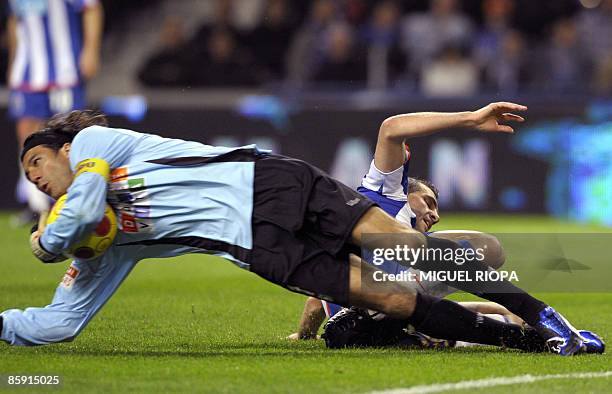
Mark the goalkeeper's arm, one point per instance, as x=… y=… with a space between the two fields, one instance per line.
x=35 y=232
x=83 y=210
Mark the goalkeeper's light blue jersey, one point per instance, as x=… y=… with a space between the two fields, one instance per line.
x=178 y=195
x=170 y=196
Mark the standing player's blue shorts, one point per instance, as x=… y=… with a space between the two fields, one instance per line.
x=44 y=104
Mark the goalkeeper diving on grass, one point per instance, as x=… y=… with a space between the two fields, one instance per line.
x=281 y=218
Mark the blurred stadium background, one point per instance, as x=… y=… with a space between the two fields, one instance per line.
x=314 y=79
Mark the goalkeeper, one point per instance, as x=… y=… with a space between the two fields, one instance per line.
x=281 y=218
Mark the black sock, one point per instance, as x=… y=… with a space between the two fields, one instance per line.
x=521 y=304
x=444 y=319
x=503 y=292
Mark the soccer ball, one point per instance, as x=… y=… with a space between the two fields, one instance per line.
x=95 y=244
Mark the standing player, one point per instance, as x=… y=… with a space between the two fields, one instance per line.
x=54 y=48
x=281 y=218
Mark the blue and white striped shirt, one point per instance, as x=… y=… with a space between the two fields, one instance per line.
x=49 y=42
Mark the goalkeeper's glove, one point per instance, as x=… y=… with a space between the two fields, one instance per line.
x=40 y=252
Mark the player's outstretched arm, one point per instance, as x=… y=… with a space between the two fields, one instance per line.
x=390 y=152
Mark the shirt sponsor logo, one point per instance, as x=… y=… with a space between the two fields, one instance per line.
x=130 y=197
x=131 y=224
x=119 y=174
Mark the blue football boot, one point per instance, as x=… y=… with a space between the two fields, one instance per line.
x=561 y=337
x=593 y=343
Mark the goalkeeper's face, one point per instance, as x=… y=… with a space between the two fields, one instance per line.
x=49 y=169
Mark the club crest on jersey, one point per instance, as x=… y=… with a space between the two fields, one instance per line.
x=69 y=277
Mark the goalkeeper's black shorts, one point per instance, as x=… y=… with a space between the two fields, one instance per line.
x=302 y=220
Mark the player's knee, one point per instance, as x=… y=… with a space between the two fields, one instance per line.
x=67 y=328
x=67 y=332
x=494 y=253
x=398 y=305
x=395 y=301
x=377 y=221
x=36 y=326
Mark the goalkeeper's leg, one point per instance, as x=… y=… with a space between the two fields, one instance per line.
x=85 y=288
x=432 y=316
x=386 y=233
x=563 y=338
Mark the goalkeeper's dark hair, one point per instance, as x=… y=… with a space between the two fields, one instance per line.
x=62 y=128
x=74 y=121
x=69 y=124
x=417 y=184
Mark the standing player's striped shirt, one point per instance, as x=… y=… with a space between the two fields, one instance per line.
x=49 y=43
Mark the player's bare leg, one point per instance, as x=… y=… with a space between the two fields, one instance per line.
x=391 y=298
x=377 y=221
x=36 y=200
x=314 y=314
x=494 y=255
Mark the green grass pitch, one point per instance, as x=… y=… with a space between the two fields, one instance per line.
x=198 y=324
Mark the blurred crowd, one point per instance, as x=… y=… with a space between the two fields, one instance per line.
x=439 y=51
x=439 y=48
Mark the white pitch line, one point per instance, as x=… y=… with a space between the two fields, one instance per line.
x=490 y=382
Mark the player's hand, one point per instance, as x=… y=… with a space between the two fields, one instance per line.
x=37 y=249
x=493 y=117
x=89 y=63
x=40 y=253
x=296 y=337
